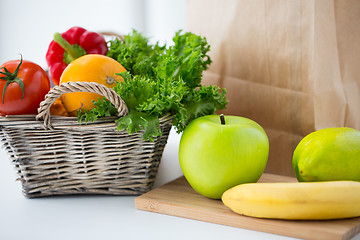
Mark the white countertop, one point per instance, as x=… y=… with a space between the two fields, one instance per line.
x=103 y=217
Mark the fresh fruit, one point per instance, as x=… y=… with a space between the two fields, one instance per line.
x=57 y=109
x=24 y=85
x=217 y=153
x=89 y=68
x=70 y=45
x=328 y=154
x=296 y=201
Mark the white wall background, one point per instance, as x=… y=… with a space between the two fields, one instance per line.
x=27 y=26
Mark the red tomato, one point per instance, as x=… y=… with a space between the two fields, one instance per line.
x=15 y=100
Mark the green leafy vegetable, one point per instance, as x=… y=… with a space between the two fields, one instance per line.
x=136 y=54
x=186 y=59
x=160 y=81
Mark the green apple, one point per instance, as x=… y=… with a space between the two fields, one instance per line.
x=217 y=153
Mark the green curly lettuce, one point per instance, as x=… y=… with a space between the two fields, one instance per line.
x=160 y=81
x=136 y=54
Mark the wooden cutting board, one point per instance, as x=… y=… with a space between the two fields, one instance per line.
x=177 y=198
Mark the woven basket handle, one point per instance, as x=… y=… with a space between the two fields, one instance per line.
x=57 y=91
x=113 y=34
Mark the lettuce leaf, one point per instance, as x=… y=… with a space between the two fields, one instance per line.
x=186 y=59
x=134 y=121
x=160 y=80
x=136 y=54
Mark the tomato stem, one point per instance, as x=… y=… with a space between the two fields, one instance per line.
x=12 y=77
x=222 y=119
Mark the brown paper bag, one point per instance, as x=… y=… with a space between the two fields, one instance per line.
x=292 y=66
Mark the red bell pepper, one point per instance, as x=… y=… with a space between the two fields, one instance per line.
x=70 y=45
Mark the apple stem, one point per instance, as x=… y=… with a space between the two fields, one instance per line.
x=222 y=119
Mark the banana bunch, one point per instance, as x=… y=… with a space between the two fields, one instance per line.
x=296 y=201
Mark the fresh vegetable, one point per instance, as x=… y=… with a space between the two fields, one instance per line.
x=217 y=153
x=296 y=201
x=89 y=68
x=163 y=80
x=24 y=85
x=136 y=54
x=70 y=45
x=329 y=154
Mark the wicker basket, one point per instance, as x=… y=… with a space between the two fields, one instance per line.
x=59 y=156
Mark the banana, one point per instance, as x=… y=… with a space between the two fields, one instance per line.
x=296 y=200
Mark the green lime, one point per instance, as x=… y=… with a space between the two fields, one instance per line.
x=329 y=154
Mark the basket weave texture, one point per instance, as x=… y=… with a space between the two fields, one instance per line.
x=58 y=156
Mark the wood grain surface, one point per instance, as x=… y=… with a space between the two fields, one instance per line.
x=177 y=198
